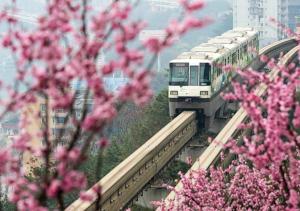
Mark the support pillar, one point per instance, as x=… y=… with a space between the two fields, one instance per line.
x=152 y=194
x=209 y=120
x=223 y=110
x=194 y=149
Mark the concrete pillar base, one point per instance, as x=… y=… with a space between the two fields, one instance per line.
x=209 y=120
x=152 y=194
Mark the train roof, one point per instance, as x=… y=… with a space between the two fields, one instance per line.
x=239 y=33
x=192 y=61
x=248 y=30
x=218 y=46
x=184 y=55
x=206 y=51
x=208 y=56
x=243 y=29
x=235 y=35
x=222 y=40
x=229 y=43
x=210 y=48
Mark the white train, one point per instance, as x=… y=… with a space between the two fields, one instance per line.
x=196 y=77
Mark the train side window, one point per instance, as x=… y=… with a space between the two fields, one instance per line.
x=233 y=58
x=204 y=74
x=219 y=71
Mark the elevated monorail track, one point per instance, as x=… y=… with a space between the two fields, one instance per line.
x=130 y=177
x=231 y=130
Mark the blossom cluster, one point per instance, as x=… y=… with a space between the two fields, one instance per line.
x=236 y=188
x=267 y=175
x=63 y=47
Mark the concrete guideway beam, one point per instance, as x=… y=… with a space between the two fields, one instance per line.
x=129 y=178
x=211 y=154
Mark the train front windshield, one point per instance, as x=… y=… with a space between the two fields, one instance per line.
x=179 y=74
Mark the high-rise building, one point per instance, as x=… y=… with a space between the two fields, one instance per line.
x=257 y=14
x=294 y=11
x=297 y=18
x=59 y=129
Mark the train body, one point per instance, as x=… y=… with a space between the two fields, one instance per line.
x=196 y=77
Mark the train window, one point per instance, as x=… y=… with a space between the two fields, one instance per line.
x=233 y=58
x=179 y=74
x=204 y=76
x=194 y=75
x=59 y=120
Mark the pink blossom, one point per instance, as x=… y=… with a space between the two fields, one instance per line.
x=264 y=58
x=296 y=120
x=103 y=143
x=271 y=150
x=21 y=142
x=6 y=41
x=86 y=196
x=108 y=68
x=192 y=6
x=97 y=189
x=65 y=46
x=294 y=199
x=153 y=44
x=191 y=22
x=74 y=154
x=73 y=180
x=61 y=153
x=53 y=189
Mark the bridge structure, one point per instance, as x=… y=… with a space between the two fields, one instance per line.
x=129 y=180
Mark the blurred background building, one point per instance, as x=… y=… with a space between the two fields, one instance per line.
x=257 y=14
x=60 y=129
x=297 y=18
x=294 y=11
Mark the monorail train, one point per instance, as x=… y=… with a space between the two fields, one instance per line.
x=196 y=77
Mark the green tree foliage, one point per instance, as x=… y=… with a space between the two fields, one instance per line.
x=150 y=120
x=170 y=175
x=138 y=125
x=5 y=204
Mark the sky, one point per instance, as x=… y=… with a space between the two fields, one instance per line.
x=30 y=9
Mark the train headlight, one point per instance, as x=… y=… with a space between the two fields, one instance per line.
x=203 y=92
x=173 y=92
